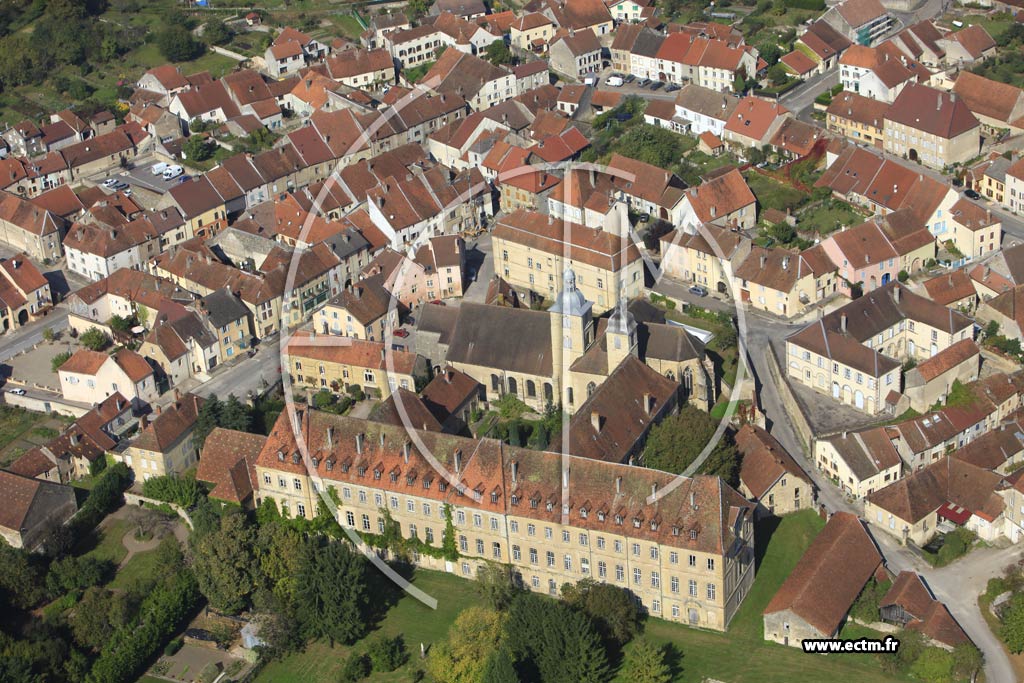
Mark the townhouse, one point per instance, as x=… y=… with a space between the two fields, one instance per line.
x=859 y=364
x=932 y=127
x=95 y=251
x=857 y=118
x=24 y=292
x=334 y=364
x=998 y=106
x=712 y=64
x=576 y=15
x=481 y=83
x=770 y=475
x=435 y=271
x=753 y=123
x=165 y=444
x=576 y=54
x=859 y=462
x=724 y=201
x=28 y=228
x=863 y=22
x=879 y=73
x=531 y=32
x=822 y=44
x=531 y=252
x=361 y=68
x=706 y=110
x=706 y=257
x=361 y=311
x=180 y=346
x=687 y=557
x=90 y=376
x=782 y=282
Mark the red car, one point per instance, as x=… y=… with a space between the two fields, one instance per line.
x=437 y=302
x=401 y=333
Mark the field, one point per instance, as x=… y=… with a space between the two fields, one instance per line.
x=774 y=195
x=17 y=424
x=828 y=216
x=741 y=656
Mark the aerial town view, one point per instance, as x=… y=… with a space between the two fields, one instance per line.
x=498 y=341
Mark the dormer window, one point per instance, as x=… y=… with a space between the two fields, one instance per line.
x=494 y=496
x=345 y=467
x=583 y=513
x=636 y=523
x=515 y=499
x=361 y=471
x=550 y=506
x=376 y=474
x=393 y=476
x=600 y=516
x=329 y=465
x=654 y=526
x=675 y=531
x=618 y=519
x=693 y=534
x=426 y=483
x=409 y=479
x=534 y=502
x=315 y=461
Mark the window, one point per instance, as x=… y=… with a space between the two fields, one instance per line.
x=413 y=532
x=463 y=544
x=602 y=569
x=674 y=584
x=479 y=546
x=711 y=591
x=429 y=533
x=410 y=506
x=693 y=588
x=618 y=546
x=637 y=576
x=600 y=542
x=636 y=549
x=366 y=522
x=514 y=526
x=583 y=539
x=656 y=605
x=654 y=552
x=460 y=516
x=548 y=533
x=517 y=555
x=533 y=556
x=301 y=509
x=655 y=580
x=531 y=530
x=673 y=558
x=565 y=536
x=550 y=558
x=620 y=574
x=567 y=561
x=478 y=520
x=266 y=478
x=426 y=509
x=494 y=523
x=711 y=564
x=496 y=550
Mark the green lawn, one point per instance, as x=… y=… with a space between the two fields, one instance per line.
x=141 y=565
x=742 y=655
x=827 y=216
x=415 y=621
x=106 y=542
x=348 y=25
x=14 y=422
x=148 y=55
x=772 y=194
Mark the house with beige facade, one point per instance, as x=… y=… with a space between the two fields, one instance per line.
x=932 y=127
x=770 y=475
x=165 y=443
x=90 y=376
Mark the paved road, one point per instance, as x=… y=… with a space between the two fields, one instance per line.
x=800 y=100
x=251 y=374
x=480 y=263
x=16 y=341
x=958 y=585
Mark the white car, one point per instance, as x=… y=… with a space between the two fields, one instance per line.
x=159 y=168
x=16 y=392
x=172 y=172
x=614 y=81
x=110 y=182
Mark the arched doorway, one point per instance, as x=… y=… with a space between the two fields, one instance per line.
x=912 y=154
x=885 y=279
x=858 y=399
x=915 y=265
x=835 y=390
x=873 y=283
x=22 y=317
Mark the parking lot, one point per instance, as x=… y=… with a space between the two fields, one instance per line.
x=142 y=178
x=635 y=87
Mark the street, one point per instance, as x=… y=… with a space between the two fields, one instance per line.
x=246 y=375
x=16 y=341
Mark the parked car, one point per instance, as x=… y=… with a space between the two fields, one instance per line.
x=184 y=179
x=630 y=78
x=172 y=172
x=401 y=333
x=643 y=82
x=971 y=194
x=127 y=192
x=159 y=167
x=438 y=302
x=697 y=290
x=16 y=392
x=110 y=182
x=119 y=185
x=672 y=87
x=656 y=85
x=614 y=81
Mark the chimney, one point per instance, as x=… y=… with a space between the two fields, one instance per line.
x=280 y=455
x=764 y=260
x=158 y=410
x=618 y=484
x=359 y=443
x=693 y=500
x=648 y=403
x=785 y=263
x=654 y=488
x=515 y=472
x=448 y=375
x=595 y=421
x=593 y=178
x=896 y=293
x=458 y=459
x=330 y=437
x=565 y=477
x=406 y=447
x=143 y=422
x=842 y=322
x=117 y=404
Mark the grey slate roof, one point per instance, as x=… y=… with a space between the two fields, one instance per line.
x=223 y=308
x=482 y=337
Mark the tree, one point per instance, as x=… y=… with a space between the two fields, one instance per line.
x=142 y=315
x=992 y=328
x=387 y=653
x=356 y=668
x=207 y=419
x=98 y=614
x=20 y=583
x=279 y=555
x=612 y=609
x=495 y=584
x=94 y=339
x=553 y=642
x=417 y=8
x=645 y=663
x=331 y=594
x=1012 y=631
x=498 y=53
x=935 y=665
x=778 y=74
x=234 y=415
x=197 y=148
x=174 y=488
x=216 y=32
x=76 y=573
x=967 y=660
x=120 y=324
x=676 y=442
x=59 y=360
x=755 y=155
x=177 y=44
x=48 y=334
x=463 y=656
x=225 y=564
x=500 y=668
x=770 y=51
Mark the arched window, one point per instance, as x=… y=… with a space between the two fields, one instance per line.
x=531 y=389
x=590 y=389
x=688 y=379
x=512 y=388
x=549 y=392
x=495 y=383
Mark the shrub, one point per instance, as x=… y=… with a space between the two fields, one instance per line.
x=172 y=647
x=387 y=653
x=356 y=668
x=903 y=276
x=59 y=360
x=356 y=392
x=94 y=339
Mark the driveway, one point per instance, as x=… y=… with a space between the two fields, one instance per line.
x=480 y=264
x=142 y=176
